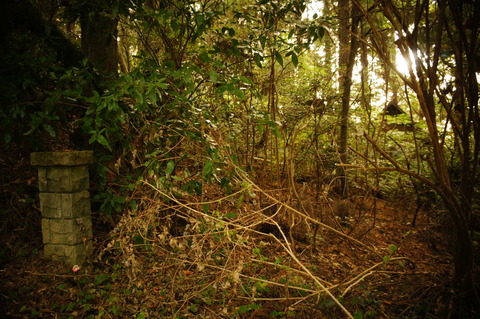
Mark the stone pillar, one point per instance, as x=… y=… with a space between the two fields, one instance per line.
x=65 y=204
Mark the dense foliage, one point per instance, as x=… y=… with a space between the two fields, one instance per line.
x=287 y=104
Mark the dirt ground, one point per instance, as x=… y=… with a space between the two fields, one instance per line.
x=382 y=268
x=240 y=258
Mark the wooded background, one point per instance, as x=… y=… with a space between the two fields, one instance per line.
x=270 y=103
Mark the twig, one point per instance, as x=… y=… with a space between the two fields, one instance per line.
x=310 y=219
x=286 y=246
x=360 y=277
x=55 y=275
x=327 y=291
x=397 y=167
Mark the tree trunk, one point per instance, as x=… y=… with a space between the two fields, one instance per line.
x=454 y=25
x=347 y=36
x=99 y=36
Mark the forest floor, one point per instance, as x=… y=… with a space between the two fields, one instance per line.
x=179 y=261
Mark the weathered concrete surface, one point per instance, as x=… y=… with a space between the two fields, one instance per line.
x=69 y=158
x=63 y=182
x=65 y=205
x=70 y=254
x=67 y=231
x=63 y=179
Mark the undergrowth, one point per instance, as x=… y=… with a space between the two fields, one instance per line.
x=195 y=235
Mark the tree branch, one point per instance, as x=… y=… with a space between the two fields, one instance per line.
x=400 y=169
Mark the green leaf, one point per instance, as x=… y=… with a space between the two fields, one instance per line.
x=240 y=200
x=103 y=141
x=139 y=98
x=93 y=138
x=246 y=80
x=219 y=65
x=258 y=59
x=277 y=132
x=290 y=34
x=279 y=58
x=174 y=25
x=358 y=314
x=294 y=59
x=87 y=123
x=100 y=279
x=141 y=315
x=114 y=310
x=207 y=169
x=213 y=76
x=118 y=199
x=393 y=249
x=193 y=308
x=153 y=96
x=230 y=215
x=239 y=93
x=103 y=104
x=98 y=121
x=133 y=205
x=170 y=167
x=263 y=41
x=320 y=32
x=49 y=130
x=205 y=57
x=234 y=158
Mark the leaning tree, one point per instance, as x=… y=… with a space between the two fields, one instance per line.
x=441 y=43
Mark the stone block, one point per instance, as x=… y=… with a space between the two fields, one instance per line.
x=70 y=254
x=65 y=205
x=63 y=179
x=69 y=158
x=67 y=231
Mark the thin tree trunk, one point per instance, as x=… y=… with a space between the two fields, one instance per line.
x=347 y=51
x=424 y=81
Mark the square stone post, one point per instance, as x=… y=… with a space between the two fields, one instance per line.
x=63 y=183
